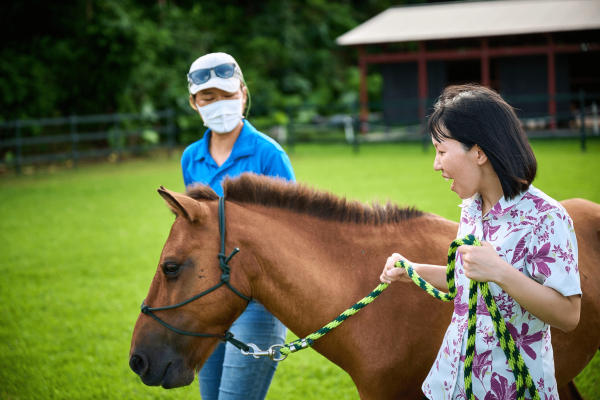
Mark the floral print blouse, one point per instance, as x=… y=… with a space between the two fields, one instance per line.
x=534 y=234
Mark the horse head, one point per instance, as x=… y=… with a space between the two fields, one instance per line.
x=188 y=266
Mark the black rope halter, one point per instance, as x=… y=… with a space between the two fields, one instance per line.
x=224 y=264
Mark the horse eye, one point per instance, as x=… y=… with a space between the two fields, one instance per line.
x=170 y=268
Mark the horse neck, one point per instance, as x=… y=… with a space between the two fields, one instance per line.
x=306 y=270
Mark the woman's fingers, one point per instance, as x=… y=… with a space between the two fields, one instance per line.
x=390 y=272
x=392 y=275
x=395 y=273
x=464 y=249
x=391 y=261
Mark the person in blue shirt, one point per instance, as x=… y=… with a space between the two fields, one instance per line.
x=231 y=146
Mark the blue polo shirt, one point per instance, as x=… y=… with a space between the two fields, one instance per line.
x=253 y=151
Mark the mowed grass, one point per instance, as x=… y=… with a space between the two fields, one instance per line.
x=80 y=247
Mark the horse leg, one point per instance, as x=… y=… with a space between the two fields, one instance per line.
x=569 y=392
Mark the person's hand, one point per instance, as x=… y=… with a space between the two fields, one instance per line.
x=391 y=273
x=481 y=263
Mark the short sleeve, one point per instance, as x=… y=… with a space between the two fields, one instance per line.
x=279 y=165
x=552 y=257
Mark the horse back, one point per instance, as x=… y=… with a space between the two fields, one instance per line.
x=574 y=350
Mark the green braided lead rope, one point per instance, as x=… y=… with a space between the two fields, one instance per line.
x=300 y=344
x=515 y=360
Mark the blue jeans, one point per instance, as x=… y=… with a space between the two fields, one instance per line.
x=229 y=375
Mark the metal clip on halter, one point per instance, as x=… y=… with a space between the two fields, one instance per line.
x=256 y=352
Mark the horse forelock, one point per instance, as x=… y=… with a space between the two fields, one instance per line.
x=266 y=191
x=199 y=191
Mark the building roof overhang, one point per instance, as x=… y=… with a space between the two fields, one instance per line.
x=470 y=19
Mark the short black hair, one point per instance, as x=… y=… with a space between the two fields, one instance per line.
x=475 y=115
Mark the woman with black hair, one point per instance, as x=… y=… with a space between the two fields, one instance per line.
x=528 y=253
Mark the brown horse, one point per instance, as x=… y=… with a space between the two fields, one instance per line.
x=308 y=255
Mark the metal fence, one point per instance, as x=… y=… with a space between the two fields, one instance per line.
x=576 y=118
x=33 y=141
x=28 y=141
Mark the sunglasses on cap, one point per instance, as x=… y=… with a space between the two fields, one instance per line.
x=200 y=76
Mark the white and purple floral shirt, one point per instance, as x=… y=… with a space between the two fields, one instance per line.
x=534 y=234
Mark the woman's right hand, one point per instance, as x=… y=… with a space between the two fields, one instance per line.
x=391 y=273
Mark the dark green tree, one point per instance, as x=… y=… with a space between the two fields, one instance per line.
x=103 y=56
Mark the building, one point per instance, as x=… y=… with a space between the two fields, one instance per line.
x=537 y=53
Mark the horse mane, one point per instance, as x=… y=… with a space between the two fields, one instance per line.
x=250 y=188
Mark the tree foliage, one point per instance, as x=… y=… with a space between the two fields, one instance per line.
x=101 y=56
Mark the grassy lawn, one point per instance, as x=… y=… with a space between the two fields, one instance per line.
x=80 y=247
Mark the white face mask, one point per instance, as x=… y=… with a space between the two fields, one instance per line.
x=222 y=116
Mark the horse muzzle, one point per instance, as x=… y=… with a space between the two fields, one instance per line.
x=168 y=372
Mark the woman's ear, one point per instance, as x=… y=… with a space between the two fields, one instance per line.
x=193 y=102
x=481 y=157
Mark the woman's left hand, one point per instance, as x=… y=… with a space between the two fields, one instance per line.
x=481 y=263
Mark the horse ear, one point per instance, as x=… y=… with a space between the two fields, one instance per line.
x=190 y=209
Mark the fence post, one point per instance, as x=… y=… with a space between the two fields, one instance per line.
x=582 y=117
x=595 y=127
x=357 y=131
x=118 y=136
x=170 y=131
x=19 y=144
x=425 y=140
x=290 y=133
x=74 y=140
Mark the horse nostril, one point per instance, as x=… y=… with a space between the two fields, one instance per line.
x=138 y=364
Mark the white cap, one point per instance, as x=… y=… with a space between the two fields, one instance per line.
x=212 y=60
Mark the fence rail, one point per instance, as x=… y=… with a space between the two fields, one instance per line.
x=159 y=123
x=118 y=131
x=88 y=119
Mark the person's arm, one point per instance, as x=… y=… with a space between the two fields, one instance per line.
x=483 y=264
x=434 y=274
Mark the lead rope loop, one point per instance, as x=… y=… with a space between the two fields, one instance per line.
x=515 y=360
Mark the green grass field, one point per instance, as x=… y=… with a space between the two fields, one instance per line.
x=80 y=247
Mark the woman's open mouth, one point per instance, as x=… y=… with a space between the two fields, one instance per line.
x=452 y=185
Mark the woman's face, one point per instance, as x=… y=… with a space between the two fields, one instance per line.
x=458 y=165
x=212 y=95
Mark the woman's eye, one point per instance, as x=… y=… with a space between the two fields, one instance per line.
x=171 y=268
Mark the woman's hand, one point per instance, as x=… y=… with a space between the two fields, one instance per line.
x=482 y=263
x=391 y=273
